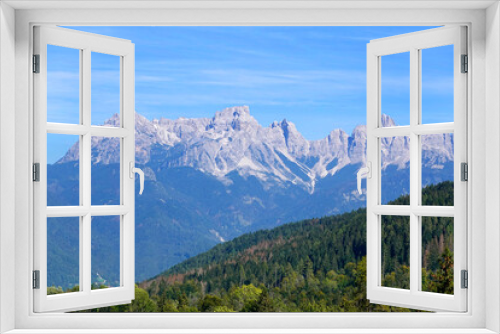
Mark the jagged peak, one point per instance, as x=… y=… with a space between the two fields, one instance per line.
x=359 y=130
x=289 y=127
x=238 y=118
x=284 y=125
x=387 y=121
x=274 y=124
x=113 y=120
x=140 y=119
x=337 y=133
x=233 y=112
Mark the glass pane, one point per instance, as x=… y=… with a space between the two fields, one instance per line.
x=396 y=252
x=437 y=84
x=105 y=89
x=437 y=169
x=395 y=169
x=63 y=255
x=105 y=252
x=63 y=169
x=63 y=85
x=395 y=89
x=105 y=171
x=437 y=254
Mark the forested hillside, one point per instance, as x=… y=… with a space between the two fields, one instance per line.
x=315 y=265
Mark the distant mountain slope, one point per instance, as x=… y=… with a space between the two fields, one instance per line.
x=212 y=179
x=312 y=265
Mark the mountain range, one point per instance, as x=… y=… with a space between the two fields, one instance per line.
x=209 y=180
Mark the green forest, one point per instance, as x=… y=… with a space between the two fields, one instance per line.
x=314 y=265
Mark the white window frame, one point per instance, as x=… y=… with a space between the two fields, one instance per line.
x=86 y=44
x=414 y=43
x=483 y=124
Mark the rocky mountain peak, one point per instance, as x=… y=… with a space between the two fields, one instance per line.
x=288 y=128
x=357 y=145
x=285 y=124
x=235 y=118
x=296 y=144
x=233 y=112
x=274 y=124
x=113 y=121
x=387 y=121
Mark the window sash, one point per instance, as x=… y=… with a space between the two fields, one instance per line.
x=86 y=298
x=414 y=298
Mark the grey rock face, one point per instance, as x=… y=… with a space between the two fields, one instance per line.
x=234 y=141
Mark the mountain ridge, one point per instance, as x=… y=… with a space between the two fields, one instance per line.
x=233 y=140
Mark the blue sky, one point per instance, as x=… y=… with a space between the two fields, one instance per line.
x=312 y=76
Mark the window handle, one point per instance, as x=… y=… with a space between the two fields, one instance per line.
x=139 y=171
x=364 y=172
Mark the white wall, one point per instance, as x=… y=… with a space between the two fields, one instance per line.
x=492 y=164
x=481 y=162
x=7 y=163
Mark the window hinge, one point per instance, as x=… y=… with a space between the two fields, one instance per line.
x=36 y=172
x=465 y=279
x=465 y=64
x=36 y=63
x=464 y=168
x=36 y=279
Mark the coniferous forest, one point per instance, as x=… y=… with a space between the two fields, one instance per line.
x=314 y=265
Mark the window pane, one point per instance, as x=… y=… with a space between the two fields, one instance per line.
x=437 y=84
x=437 y=254
x=105 y=251
x=395 y=169
x=105 y=89
x=396 y=252
x=395 y=89
x=63 y=85
x=63 y=169
x=437 y=167
x=63 y=255
x=106 y=171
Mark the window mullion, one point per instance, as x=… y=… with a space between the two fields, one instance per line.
x=414 y=172
x=85 y=177
x=85 y=264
